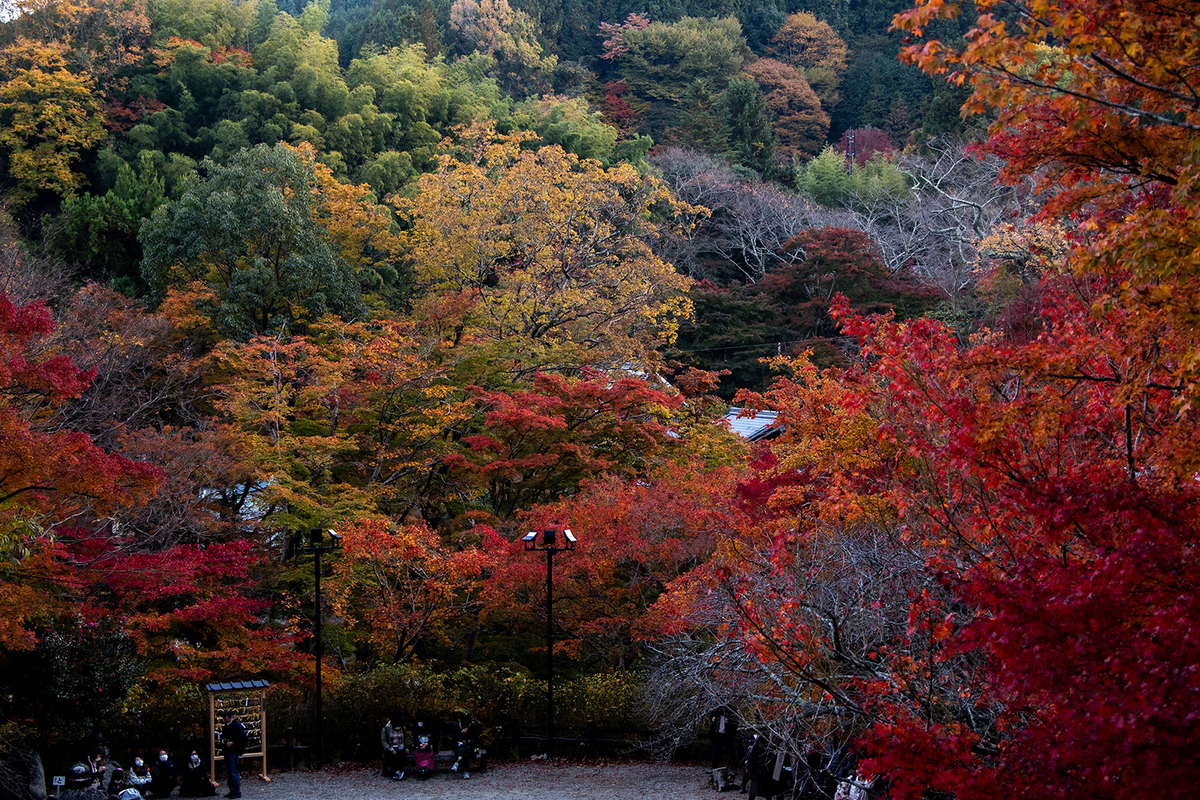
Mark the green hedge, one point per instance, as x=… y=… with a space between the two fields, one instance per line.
x=497 y=696
x=494 y=695
x=355 y=705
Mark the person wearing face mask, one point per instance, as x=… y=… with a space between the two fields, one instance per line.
x=196 y=782
x=138 y=776
x=162 y=775
x=423 y=754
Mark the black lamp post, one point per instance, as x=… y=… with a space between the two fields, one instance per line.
x=551 y=544
x=318 y=545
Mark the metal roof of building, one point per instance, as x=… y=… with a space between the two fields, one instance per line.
x=753 y=427
x=232 y=685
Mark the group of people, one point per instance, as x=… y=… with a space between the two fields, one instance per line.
x=397 y=745
x=769 y=771
x=97 y=777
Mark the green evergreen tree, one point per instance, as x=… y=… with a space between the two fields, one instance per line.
x=661 y=60
x=248 y=232
x=100 y=233
x=700 y=124
x=748 y=136
x=825 y=178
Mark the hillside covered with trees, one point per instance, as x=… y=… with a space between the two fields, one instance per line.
x=435 y=274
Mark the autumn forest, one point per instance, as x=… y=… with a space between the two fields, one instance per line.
x=436 y=273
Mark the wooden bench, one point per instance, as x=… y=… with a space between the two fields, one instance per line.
x=444 y=759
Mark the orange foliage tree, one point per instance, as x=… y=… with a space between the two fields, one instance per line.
x=812 y=46
x=48 y=117
x=398 y=584
x=344 y=423
x=800 y=125
x=635 y=537
x=538 y=444
x=969 y=561
x=1095 y=101
x=103 y=39
x=50 y=476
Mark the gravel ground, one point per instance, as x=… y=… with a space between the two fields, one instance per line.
x=522 y=781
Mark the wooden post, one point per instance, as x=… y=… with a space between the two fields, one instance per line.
x=262 y=731
x=212 y=736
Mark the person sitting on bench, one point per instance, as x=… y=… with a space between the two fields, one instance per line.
x=467 y=736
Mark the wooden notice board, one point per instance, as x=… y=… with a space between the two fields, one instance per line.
x=247 y=701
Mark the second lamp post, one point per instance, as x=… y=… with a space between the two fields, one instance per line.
x=550 y=543
x=317 y=545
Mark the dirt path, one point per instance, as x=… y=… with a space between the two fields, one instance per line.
x=523 y=781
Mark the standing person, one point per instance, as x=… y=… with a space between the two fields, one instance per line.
x=744 y=763
x=468 y=739
x=762 y=763
x=392 y=739
x=758 y=768
x=722 y=730
x=233 y=744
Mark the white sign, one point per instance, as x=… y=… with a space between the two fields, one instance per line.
x=59 y=780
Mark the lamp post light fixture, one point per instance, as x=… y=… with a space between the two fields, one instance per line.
x=317 y=545
x=550 y=544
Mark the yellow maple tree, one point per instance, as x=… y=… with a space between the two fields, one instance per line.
x=540 y=260
x=47 y=118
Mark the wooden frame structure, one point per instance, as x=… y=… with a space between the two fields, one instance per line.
x=247 y=701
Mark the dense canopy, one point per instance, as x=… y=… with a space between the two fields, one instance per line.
x=437 y=274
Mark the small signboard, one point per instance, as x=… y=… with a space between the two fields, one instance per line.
x=59 y=780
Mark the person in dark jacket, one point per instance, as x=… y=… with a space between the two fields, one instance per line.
x=467 y=738
x=81 y=777
x=744 y=763
x=163 y=775
x=759 y=766
x=92 y=772
x=722 y=731
x=196 y=782
x=233 y=744
x=119 y=787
